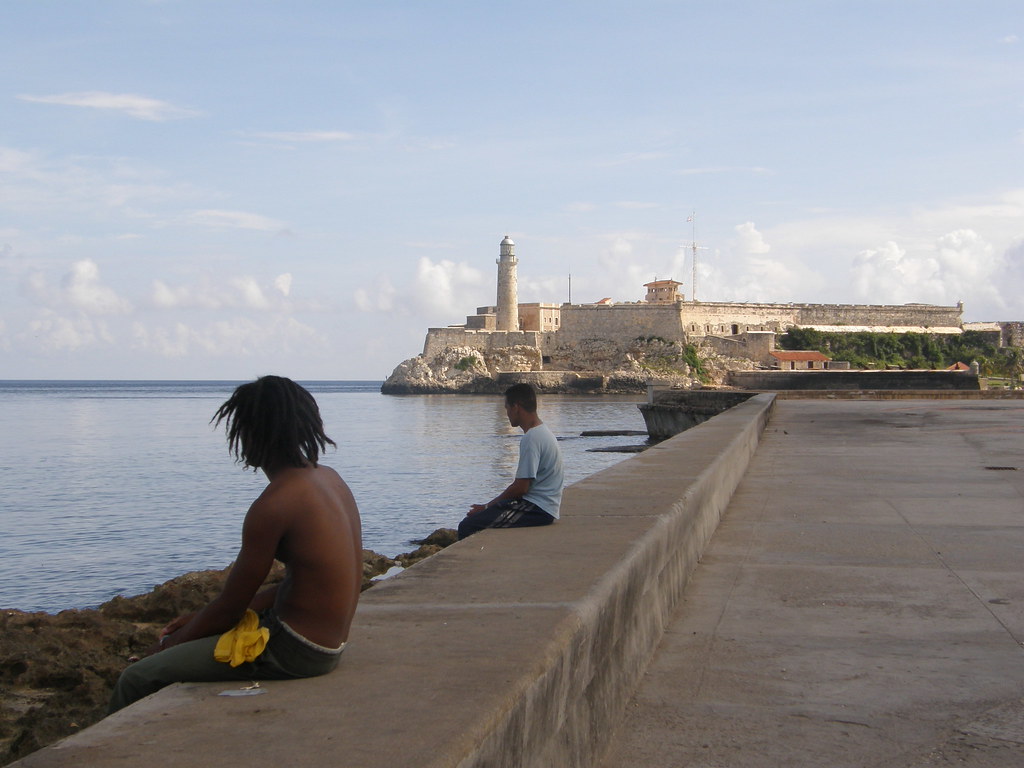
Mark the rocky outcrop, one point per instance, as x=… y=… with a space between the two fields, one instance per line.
x=459 y=370
x=592 y=366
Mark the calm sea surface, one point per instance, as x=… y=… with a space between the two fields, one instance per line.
x=111 y=487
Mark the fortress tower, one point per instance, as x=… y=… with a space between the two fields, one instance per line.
x=508 y=301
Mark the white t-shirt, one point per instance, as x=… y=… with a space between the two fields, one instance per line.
x=540 y=459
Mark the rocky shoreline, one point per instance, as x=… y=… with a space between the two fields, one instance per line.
x=57 y=670
x=593 y=368
x=597 y=369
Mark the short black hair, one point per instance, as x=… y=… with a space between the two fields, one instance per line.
x=522 y=394
x=273 y=422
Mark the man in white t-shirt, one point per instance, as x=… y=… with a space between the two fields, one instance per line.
x=534 y=496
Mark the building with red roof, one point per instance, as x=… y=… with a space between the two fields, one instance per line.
x=798 y=359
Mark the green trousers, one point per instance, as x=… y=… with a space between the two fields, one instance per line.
x=287 y=655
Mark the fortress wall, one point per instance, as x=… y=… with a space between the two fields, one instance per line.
x=706 y=318
x=438 y=339
x=725 y=346
x=919 y=315
x=700 y=318
x=753 y=345
x=1013 y=334
x=619 y=323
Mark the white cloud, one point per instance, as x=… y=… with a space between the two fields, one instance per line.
x=14 y=160
x=885 y=275
x=623 y=271
x=960 y=265
x=546 y=288
x=238 y=337
x=163 y=296
x=251 y=293
x=172 y=342
x=84 y=291
x=754 y=277
x=1010 y=39
x=201 y=296
x=750 y=240
x=69 y=187
x=80 y=289
x=54 y=333
x=236 y=220
x=244 y=292
x=283 y=283
x=381 y=299
x=447 y=288
x=139 y=107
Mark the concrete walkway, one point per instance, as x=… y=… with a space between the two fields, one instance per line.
x=861 y=603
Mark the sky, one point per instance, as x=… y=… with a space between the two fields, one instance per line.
x=220 y=190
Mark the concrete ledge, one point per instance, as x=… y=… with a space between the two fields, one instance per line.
x=512 y=648
x=897 y=394
x=957 y=381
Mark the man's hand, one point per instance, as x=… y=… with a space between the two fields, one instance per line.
x=477 y=508
x=177 y=624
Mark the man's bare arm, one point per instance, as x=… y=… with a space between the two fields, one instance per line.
x=260 y=536
x=519 y=488
x=264 y=599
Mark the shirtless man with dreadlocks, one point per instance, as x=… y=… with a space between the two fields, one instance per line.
x=306 y=518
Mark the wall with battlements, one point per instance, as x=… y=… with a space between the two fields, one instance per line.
x=727 y=318
x=621 y=323
x=920 y=315
x=439 y=339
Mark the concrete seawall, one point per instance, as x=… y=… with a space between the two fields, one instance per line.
x=854 y=380
x=512 y=648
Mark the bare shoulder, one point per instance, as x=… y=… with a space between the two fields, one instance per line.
x=306 y=488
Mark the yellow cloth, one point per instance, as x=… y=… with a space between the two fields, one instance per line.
x=243 y=643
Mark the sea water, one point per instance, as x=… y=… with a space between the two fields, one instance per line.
x=112 y=487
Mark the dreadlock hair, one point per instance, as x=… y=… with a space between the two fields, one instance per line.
x=522 y=394
x=273 y=422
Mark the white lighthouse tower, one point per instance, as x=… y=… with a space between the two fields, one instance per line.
x=508 y=301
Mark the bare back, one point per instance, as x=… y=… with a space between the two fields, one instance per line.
x=320 y=542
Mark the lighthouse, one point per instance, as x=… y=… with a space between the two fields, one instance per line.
x=508 y=301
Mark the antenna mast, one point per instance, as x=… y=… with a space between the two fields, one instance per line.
x=692 y=219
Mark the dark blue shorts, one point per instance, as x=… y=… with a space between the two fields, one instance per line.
x=511 y=513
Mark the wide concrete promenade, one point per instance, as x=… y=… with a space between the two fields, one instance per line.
x=861 y=603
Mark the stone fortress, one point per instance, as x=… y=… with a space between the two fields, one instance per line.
x=622 y=345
